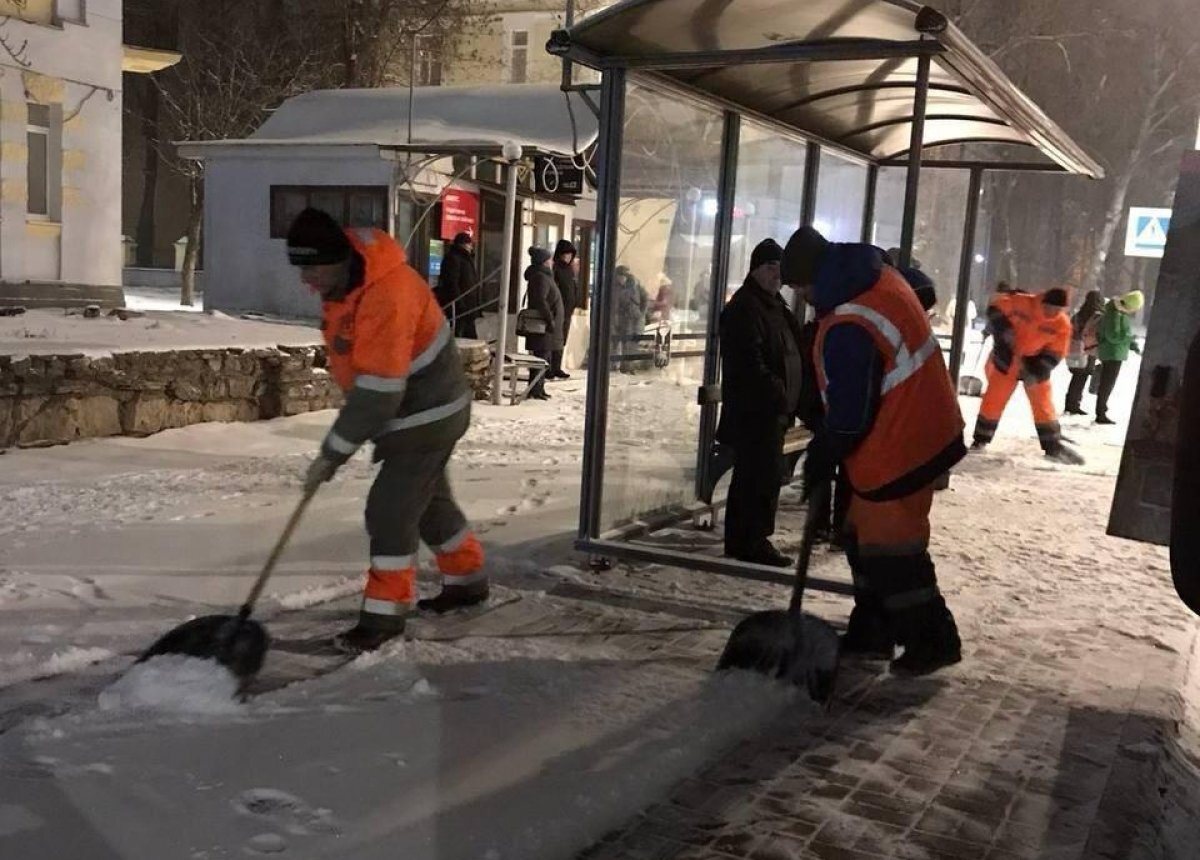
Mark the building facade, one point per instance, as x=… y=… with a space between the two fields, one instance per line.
x=60 y=148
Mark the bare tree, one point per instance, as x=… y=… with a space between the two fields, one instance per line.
x=17 y=52
x=239 y=63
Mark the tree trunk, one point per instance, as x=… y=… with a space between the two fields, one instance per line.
x=150 y=133
x=191 y=251
x=1112 y=221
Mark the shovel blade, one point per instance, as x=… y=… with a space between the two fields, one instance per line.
x=238 y=644
x=802 y=650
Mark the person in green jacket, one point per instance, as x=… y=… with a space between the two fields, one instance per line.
x=1115 y=336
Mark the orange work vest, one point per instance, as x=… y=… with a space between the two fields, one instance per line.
x=1033 y=331
x=918 y=426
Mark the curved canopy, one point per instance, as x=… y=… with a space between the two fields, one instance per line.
x=843 y=71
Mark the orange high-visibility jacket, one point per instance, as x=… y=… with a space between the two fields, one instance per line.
x=917 y=432
x=1033 y=332
x=392 y=352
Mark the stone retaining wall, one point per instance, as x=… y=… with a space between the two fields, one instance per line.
x=53 y=399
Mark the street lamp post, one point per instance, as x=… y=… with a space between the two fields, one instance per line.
x=512 y=156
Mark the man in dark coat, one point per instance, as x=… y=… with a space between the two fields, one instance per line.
x=762 y=373
x=457 y=284
x=565 y=278
x=545 y=300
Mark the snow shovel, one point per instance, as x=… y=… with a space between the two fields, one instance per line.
x=237 y=642
x=788 y=644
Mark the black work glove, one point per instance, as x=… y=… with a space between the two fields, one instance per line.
x=820 y=464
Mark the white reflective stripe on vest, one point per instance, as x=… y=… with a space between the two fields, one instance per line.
x=437 y=413
x=440 y=340
x=885 y=326
x=340 y=444
x=392 y=563
x=373 y=606
x=382 y=384
x=908 y=363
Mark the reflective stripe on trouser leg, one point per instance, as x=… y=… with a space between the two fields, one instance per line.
x=389 y=595
x=444 y=528
x=999 y=389
x=1041 y=402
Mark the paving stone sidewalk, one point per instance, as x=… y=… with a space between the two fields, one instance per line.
x=1056 y=738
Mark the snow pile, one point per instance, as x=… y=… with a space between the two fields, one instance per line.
x=174 y=684
x=24 y=666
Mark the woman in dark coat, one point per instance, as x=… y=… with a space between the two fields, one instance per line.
x=545 y=299
x=565 y=277
x=457 y=285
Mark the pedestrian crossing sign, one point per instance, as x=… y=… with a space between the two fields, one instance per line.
x=1146 y=235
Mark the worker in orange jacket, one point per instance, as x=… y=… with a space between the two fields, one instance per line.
x=393 y=354
x=892 y=423
x=1030 y=335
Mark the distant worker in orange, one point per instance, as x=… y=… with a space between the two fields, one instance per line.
x=1031 y=334
x=393 y=354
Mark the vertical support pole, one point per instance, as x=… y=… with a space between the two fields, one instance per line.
x=608 y=206
x=510 y=207
x=812 y=178
x=568 y=77
x=868 y=222
x=723 y=237
x=962 y=295
x=916 y=143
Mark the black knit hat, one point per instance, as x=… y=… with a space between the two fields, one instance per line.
x=316 y=239
x=802 y=256
x=1056 y=297
x=564 y=246
x=463 y=239
x=766 y=251
x=539 y=255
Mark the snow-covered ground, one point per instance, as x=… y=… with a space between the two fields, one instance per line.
x=40 y=331
x=527 y=738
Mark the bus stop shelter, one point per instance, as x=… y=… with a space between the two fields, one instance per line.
x=723 y=123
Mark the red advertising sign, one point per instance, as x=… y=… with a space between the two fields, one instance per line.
x=460 y=213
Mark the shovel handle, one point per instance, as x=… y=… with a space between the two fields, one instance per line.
x=817 y=504
x=273 y=558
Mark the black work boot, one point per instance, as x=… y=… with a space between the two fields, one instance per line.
x=930 y=640
x=359 y=639
x=868 y=633
x=454 y=597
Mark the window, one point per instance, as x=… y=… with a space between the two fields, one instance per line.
x=37 y=135
x=518 y=56
x=352 y=206
x=429 y=61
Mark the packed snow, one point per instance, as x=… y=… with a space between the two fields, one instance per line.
x=173 y=684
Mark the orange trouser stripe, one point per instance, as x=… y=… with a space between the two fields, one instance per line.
x=463 y=558
x=894 y=528
x=395 y=586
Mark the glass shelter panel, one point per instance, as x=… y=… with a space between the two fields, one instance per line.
x=937 y=239
x=841 y=198
x=769 y=194
x=662 y=290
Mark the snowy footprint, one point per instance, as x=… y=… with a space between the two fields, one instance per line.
x=285 y=810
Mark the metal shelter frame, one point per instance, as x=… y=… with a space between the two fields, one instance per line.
x=647 y=42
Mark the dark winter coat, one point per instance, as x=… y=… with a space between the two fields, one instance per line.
x=568 y=285
x=632 y=302
x=762 y=368
x=457 y=280
x=545 y=299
